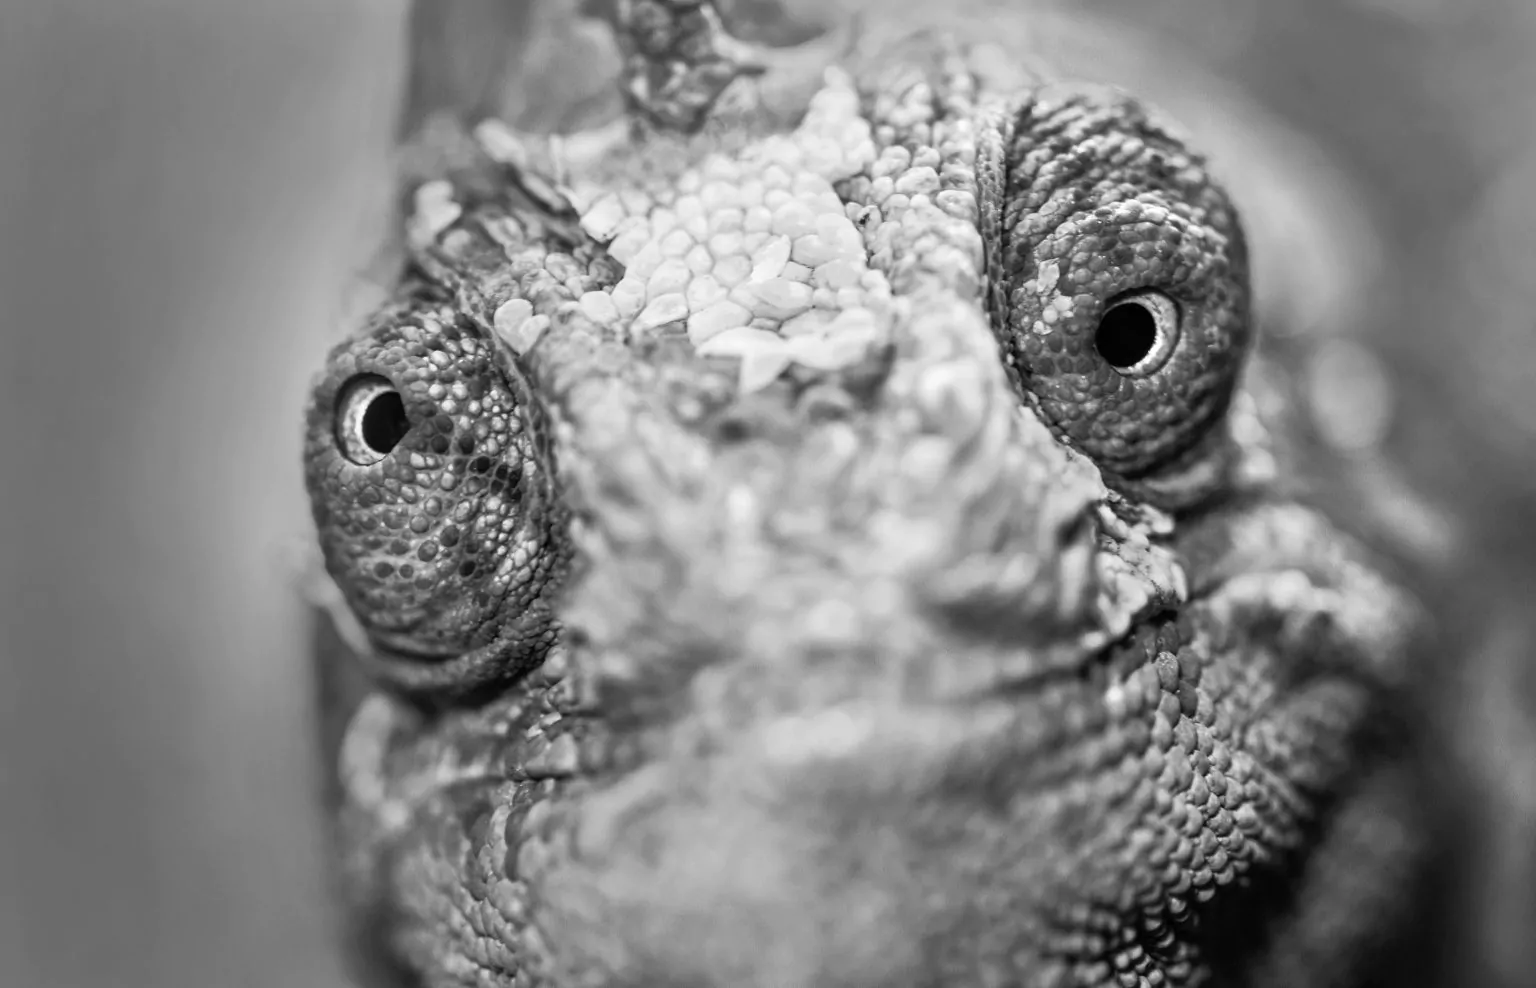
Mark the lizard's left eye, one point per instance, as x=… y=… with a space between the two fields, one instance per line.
x=370 y=419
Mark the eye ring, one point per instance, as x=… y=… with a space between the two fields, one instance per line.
x=370 y=419
x=1138 y=332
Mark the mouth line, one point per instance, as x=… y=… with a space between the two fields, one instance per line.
x=402 y=645
x=1279 y=589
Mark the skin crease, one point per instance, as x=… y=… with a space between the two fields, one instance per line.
x=798 y=595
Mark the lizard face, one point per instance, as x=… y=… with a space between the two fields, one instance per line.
x=821 y=548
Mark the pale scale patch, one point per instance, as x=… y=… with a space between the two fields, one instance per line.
x=517 y=326
x=754 y=252
x=434 y=210
x=919 y=215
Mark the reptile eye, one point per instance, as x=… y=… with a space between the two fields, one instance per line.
x=430 y=500
x=370 y=419
x=1125 y=295
x=1138 y=332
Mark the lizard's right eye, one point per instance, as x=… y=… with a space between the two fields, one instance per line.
x=370 y=419
x=429 y=498
x=1127 y=292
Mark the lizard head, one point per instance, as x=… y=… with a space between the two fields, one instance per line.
x=831 y=545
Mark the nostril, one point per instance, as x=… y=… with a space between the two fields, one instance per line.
x=1025 y=590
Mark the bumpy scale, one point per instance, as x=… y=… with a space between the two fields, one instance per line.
x=815 y=550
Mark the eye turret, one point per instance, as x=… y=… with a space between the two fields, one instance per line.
x=431 y=507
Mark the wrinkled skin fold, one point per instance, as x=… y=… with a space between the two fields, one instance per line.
x=767 y=574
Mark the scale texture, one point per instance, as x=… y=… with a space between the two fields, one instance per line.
x=819 y=528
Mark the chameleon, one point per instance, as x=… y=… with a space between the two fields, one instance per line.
x=825 y=526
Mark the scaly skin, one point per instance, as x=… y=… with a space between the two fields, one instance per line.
x=772 y=574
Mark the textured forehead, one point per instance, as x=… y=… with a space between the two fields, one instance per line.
x=744 y=268
x=790 y=252
x=775 y=336
x=853 y=241
x=795 y=348
x=750 y=251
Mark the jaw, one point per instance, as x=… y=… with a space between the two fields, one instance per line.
x=1050 y=830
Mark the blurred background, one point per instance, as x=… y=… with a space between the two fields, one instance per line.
x=192 y=195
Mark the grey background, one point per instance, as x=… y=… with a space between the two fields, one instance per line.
x=186 y=196
x=190 y=192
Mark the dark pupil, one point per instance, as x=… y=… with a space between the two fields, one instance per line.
x=1126 y=335
x=384 y=422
